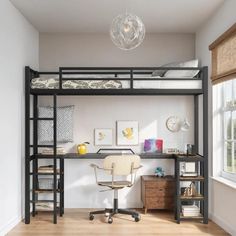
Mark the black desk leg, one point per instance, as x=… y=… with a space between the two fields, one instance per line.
x=61 y=186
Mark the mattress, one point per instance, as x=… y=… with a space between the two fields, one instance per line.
x=115 y=82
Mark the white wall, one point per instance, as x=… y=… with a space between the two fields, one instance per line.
x=18 y=47
x=102 y=112
x=222 y=198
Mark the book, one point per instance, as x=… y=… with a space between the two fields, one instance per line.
x=190 y=174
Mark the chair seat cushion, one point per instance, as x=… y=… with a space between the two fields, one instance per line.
x=116 y=184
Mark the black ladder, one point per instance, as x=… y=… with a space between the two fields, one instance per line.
x=31 y=162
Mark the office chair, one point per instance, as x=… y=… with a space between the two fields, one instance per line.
x=117 y=165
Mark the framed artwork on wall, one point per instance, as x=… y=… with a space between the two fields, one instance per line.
x=103 y=137
x=127 y=133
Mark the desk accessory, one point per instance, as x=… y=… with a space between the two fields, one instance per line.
x=159 y=172
x=82 y=148
x=153 y=145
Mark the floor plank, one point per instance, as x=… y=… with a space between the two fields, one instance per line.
x=75 y=222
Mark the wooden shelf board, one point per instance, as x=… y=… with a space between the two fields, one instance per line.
x=191 y=178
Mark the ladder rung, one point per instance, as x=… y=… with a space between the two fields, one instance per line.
x=42 y=145
x=43 y=173
x=41 y=201
x=41 y=118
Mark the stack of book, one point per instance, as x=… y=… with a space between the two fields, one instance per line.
x=50 y=151
x=45 y=206
x=46 y=169
x=190 y=174
x=190 y=210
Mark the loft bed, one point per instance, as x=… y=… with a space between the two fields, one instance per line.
x=116 y=81
x=92 y=81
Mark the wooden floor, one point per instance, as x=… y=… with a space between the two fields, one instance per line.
x=75 y=222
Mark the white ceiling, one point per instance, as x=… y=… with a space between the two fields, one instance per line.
x=93 y=16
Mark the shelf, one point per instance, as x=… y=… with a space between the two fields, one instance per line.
x=44 y=173
x=199 y=197
x=42 y=201
x=46 y=191
x=187 y=158
x=191 y=217
x=41 y=118
x=191 y=178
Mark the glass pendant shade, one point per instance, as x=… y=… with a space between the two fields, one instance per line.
x=127 y=31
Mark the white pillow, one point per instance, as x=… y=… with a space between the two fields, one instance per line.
x=183 y=73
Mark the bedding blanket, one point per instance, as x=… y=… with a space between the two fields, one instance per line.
x=53 y=83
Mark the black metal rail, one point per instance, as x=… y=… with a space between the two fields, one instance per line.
x=31 y=150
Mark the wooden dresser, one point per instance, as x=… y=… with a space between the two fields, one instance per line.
x=158 y=192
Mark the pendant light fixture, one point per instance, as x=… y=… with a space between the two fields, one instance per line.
x=127 y=31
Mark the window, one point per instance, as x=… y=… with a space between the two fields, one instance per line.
x=229 y=129
x=223 y=76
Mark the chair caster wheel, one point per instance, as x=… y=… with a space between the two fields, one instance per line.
x=91 y=217
x=110 y=220
x=137 y=218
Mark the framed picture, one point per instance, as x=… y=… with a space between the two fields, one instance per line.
x=127 y=132
x=103 y=137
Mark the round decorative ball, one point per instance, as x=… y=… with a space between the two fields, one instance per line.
x=127 y=31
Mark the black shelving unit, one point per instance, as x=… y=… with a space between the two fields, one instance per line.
x=31 y=126
x=200 y=181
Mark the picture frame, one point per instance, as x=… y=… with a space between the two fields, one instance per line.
x=103 y=137
x=127 y=133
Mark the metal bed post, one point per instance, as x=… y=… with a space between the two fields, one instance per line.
x=35 y=151
x=55 y=158
x=131 y=79
x=27 y=144
x=205 y=143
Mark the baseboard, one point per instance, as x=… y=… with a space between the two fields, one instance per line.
x=10 y=225
x=224 y=225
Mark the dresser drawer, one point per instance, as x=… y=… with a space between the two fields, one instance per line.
x=162 y=203
x=159 y=184
x=159 y=192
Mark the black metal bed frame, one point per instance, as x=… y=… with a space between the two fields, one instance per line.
x=31 y=150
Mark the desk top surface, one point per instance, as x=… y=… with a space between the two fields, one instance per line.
x=87 y=156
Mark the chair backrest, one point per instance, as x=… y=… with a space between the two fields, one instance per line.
x=122 y=164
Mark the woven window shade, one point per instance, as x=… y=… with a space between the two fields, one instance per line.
x=224 y=56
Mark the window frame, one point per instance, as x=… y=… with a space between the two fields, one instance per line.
x=231 y=108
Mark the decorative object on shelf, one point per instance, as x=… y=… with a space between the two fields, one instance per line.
x=50 y=151
x=188 y=169
x=190 y=149
x=172 y=150
x=127 y=31
x=127 y=132
x=82 y=148
x=185 y=126
x=153 y=145
x=190 y=210
x=173 y=123
x=190 y=191
x=159 y=172
x=103 y=137
x=47 y=169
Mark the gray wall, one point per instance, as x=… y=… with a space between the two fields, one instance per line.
x=98 y=50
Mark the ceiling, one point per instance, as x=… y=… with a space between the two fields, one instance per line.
x=95 y=16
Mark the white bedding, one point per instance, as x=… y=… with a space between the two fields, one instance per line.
x=168 y=84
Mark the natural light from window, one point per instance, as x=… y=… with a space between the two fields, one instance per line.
x=229 y=129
